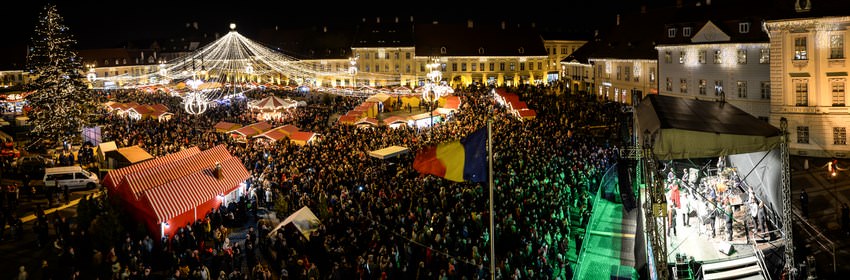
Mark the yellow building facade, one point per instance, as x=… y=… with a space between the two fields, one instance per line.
x=808 y=79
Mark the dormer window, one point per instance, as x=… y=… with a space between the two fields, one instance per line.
x=744 y=27
x=521 y=50
x=671 y=32
x=106 y=62
x=481 y=50
x=442 y=50
x=686 y=31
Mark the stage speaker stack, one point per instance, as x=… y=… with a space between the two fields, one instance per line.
x=724 y=247
x=624 y=182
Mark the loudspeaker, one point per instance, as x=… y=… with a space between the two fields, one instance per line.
x=624 y=183
x=724 y=247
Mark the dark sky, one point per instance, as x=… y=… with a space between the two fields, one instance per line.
x=109 y=23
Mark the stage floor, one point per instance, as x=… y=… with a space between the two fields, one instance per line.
x=695 y=241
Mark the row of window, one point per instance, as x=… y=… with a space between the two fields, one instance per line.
x=764 y=56
x=836 y=47
x=554 y=51
x=385 y=55
x=740 y=86
x=801 y=92
x=624 y=73
x=743 y=28
x=839 y=135
x=512 y=66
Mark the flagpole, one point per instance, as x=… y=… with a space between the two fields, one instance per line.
x=492 y=223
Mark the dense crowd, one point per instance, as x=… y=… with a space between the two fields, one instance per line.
x=380 y=219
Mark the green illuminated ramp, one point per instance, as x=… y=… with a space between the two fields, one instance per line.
x=609 y=243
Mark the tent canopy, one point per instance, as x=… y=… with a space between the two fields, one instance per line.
x=681 y=128
x=389 y=152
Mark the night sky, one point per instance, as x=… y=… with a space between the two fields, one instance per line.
x=99 y=24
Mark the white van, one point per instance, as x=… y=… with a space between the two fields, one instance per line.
x=75 y=177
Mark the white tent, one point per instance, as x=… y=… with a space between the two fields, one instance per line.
x=304 y=220
x=272 y=103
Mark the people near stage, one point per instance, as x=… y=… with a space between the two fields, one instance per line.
x=727 y=209
x=671 y=219
x=804 y=203
x=712 y=216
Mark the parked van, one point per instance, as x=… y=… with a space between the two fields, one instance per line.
x=75 y=177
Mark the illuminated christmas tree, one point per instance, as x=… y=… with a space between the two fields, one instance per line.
x=61 y=103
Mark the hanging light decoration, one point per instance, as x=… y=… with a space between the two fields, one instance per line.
x=195 y=102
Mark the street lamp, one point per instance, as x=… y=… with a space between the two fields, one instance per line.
x=352 y=69
x=91 y=76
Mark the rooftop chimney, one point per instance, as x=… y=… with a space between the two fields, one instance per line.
x=219 y=174
x=469 y=23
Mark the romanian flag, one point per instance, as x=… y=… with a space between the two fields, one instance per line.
x=463 y=160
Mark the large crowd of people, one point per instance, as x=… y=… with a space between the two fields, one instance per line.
x=380 y=219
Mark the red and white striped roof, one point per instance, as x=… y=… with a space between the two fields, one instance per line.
x=190 y=190
x=253 y=129
x=114 y=177
x=144 y=180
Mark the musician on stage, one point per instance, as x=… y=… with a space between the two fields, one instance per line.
x=721 y=163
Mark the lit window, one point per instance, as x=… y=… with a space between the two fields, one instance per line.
x=442 y=50
x=683 y=86
x=407 y=68
x=839 y=135
x=837 y=92
x=671 y=32
x=563 y=51
x=718 y=57
x=407 y=55
x=502 y=66
x=742 y=89
x=718 y=87
x=463 y=67
x=801 y=92
x=803 y=134
x=742 y=56
x=619 y=75
x=668 y=57
x=521 y=66
x=701 y=57
x=474 y=66
x=702 y=84
x=627 y=74
x=454 y=67
x=513 y=66
x=493 y=67
x=836 y=46
x=669 y=85
x=682 y=57
x=800 y=52
x=744 y=27
x=686 y=31
x=764 y=56
x=765 y=90
x=651 y=74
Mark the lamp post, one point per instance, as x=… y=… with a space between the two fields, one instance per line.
x=432 y=91
x=352 y=69
x=91 y=76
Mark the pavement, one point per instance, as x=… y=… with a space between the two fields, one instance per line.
x=820 y=233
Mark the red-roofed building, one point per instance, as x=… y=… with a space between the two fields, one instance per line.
x=226 y=126
x=302 y=137
x=279 y=132
x=174 y=190
x=245 y=133
x=347 y=119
